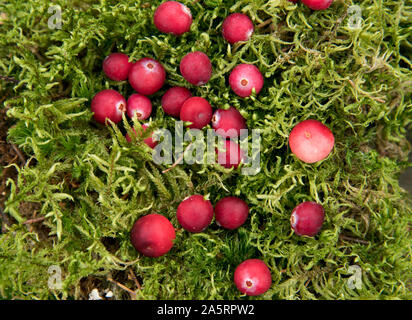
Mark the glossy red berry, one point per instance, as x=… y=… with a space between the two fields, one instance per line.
x=253 y=277
x=108 y=104
x=231 y=212
x=198 y=111
x=139 y=105
x=116 y=66
x=147 y=76
x=237 y=27
x=230 y=155
x=195 y=213
x=173 y=99
x=244 y=78
x=149 y=141
x=196 y=68
x=173 y=17
x=153 y=235
x=228 y=123
x=311 y=141
x=307 y=219
x=317 y=4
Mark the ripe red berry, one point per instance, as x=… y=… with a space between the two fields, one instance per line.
x=147 y=76
x=237 y=27
x=173 y=99
x=149 y=141
x=253 y=277
x=244 y=78
x=230 y=154
x=196 y=110
x=228 y=123
x=311 y=141
x=173 y=17
x=153 y=235
x=140 y=105
x=116 y=66
x=231 y=212
x=195 y=213
x=108 y=104
x=307 y=218
x=196 y=68
x=317 y=4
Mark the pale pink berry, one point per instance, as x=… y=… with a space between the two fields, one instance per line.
x=311 y=141
x=244 y=78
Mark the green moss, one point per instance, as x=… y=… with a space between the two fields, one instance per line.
x=91 y=185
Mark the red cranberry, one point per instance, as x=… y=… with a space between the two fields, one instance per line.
x=195 y=213
x=196 y=110
x=173 y=99
x=230 y=155
x=317 y=4
x=149 y=141
x=140 y=105
x=307 y=219
x=229 y=121
x=116 y=66
x=231 y=212
x=253 y=277
x=196 y=68
x=311 y=141
x=153 y=235
x=147 y=76
x=244 y=78
x=108 y=104
x=173 y=17
x=237 y=27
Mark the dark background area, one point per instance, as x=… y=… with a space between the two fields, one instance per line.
x=405 y=179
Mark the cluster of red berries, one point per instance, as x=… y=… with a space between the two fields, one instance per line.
x=310 y=140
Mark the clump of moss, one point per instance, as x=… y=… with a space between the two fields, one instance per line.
x=89 y=185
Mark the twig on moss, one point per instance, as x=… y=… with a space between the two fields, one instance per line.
x=132 y=276
x=347 y=238
x=35 y=220
x=19 y=153
x=130 y=291
x=8 y=79
x=178 y=160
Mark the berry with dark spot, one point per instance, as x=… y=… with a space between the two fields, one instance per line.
x=252 y=277
x=244 y=78
x=147 y=76
x=139 y=105
x=108 y=104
